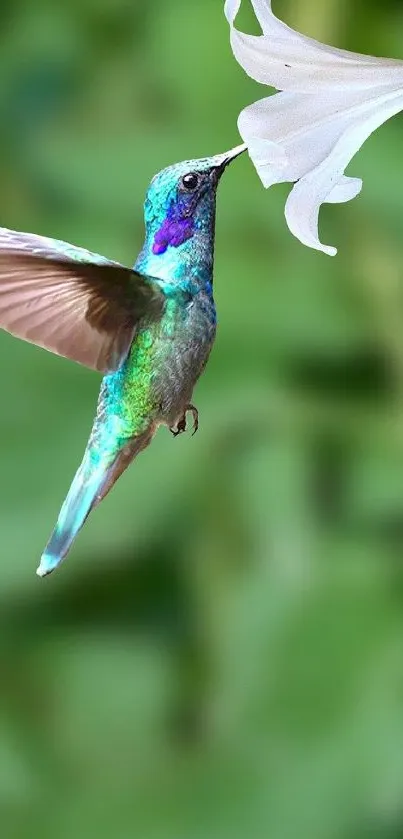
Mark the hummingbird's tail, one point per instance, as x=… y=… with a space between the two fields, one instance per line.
x=93 y=480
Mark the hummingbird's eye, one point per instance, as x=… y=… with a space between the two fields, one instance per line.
x=190 y=182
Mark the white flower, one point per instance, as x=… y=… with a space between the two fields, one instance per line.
x=332 y=101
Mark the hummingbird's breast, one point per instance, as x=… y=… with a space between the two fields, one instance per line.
x=181 y=352
x=156 y=382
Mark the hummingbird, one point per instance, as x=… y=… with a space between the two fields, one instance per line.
x=149 y=329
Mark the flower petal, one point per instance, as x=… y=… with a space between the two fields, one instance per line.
x=305 y=127
x=288 y=60
x=331 y=101
x=323 y=182
x=345 y=190
x=269 y=159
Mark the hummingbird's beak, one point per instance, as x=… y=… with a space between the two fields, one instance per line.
x=221 y=161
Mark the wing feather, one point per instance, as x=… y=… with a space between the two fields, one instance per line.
x=70 y=301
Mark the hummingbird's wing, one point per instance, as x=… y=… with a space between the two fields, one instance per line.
x=71 y=301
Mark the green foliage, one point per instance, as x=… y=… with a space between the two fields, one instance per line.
x=221 y=656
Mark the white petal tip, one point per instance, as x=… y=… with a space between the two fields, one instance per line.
x=328 y=250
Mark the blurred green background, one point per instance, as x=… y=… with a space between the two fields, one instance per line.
x=222 y=655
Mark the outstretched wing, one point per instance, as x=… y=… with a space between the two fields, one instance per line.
x=71 y=301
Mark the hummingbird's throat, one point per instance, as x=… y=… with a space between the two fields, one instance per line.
x=177 y=228
x=172 y=233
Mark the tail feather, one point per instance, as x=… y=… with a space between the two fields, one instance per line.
x=90 y=485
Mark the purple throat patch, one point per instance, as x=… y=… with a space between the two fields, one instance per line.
x=173 y=232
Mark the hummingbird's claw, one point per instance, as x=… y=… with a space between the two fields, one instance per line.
x=181 y=425
x=195 y=415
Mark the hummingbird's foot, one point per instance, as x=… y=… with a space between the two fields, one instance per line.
x=181 y=425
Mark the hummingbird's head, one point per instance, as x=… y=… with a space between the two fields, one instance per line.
x=180 y=201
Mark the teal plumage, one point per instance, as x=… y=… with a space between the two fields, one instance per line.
x=149 y=329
